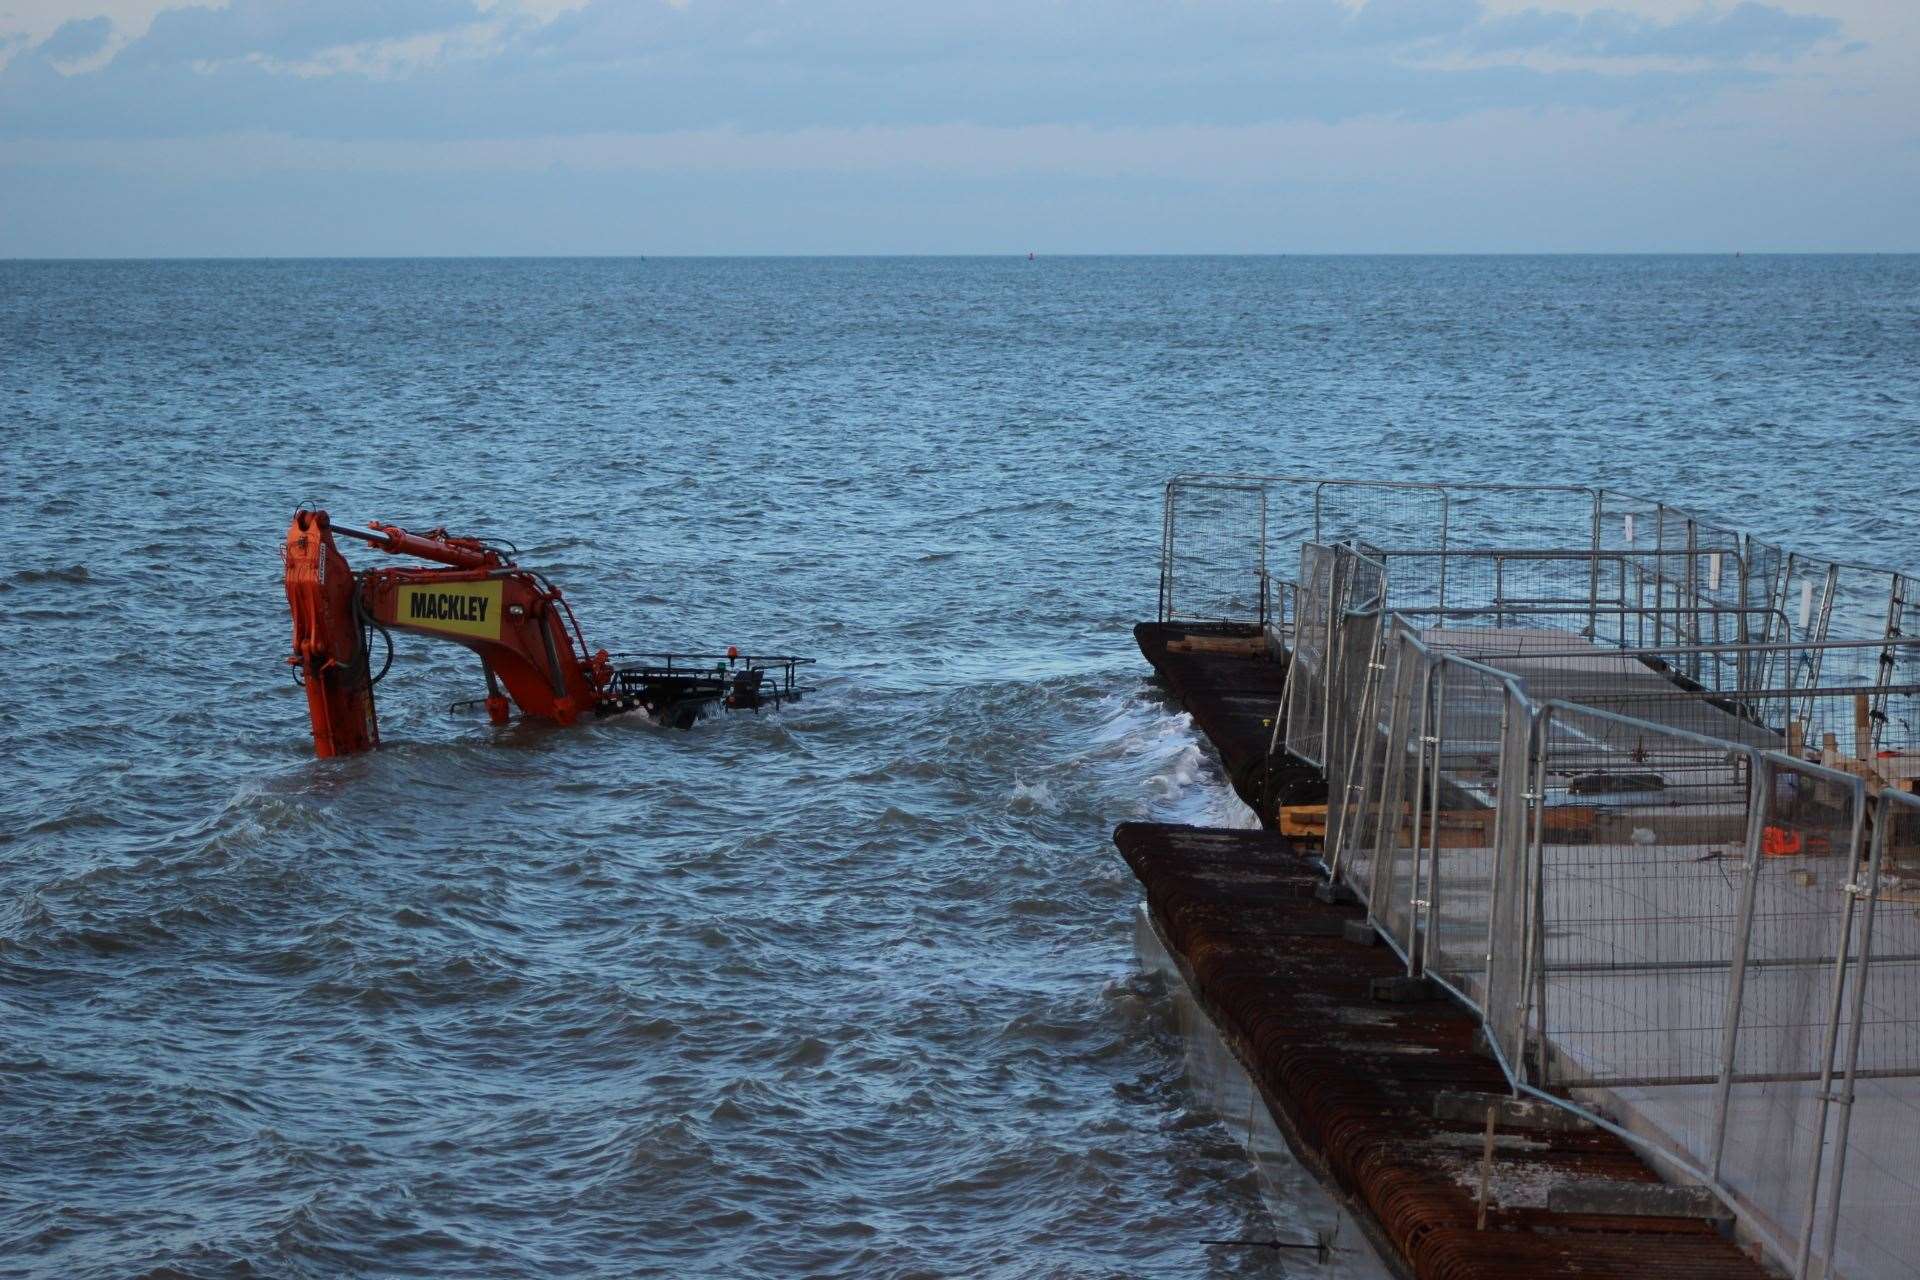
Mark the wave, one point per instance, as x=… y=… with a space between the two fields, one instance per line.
x=73 y=573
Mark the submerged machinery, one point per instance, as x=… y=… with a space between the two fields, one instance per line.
x=530 y=645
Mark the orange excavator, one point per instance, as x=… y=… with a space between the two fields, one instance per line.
x=529 y=642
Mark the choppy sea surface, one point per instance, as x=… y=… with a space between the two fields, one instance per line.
x=846 y=990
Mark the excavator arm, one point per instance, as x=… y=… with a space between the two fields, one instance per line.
x=529 y=643
x=330 y=651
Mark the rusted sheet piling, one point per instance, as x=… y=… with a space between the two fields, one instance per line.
x=1375 y=1096
x=1378 y=1096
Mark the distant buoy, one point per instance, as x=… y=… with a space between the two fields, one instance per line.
x=1029 y=255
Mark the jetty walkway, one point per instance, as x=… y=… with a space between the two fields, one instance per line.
x=1578 y=935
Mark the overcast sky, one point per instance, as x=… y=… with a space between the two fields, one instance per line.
x=141 y=127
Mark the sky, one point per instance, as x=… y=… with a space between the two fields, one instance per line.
x=373 y=127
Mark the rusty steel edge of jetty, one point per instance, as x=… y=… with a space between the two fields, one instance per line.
x=1380 y=1084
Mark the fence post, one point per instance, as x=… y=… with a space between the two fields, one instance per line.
x=1743 y=627
x=1337 y=574
x=1504 y=959
x=1896 y=609
x=1760 y=771
x=1639 y=606
x=1828 y=590
x=1627 y=569
x=1423 y=927
x=1263 y=555
x=1831 y=1041
x=1533 y=979
x=1364 y=724
x=1502 y=830
x=1593 y=569
x=1419 y=803
x=1693 y=618
x=1659 y=573
x=1166 y=553
x=1392 y=761
x=1883 y=820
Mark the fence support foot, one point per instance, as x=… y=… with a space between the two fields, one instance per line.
x=1337 y=895
x=1403 y=990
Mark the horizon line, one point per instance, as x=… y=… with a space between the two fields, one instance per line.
x=1034 y=254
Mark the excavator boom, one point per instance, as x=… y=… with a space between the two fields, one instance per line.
x=530 y=646
x=329 y=644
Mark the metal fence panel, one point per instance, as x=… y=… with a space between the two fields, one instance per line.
x=1382 y=513
x=1392 y=718
x=1309 y=665
x=1642 y=840
x=1356 y=734
x=1773 y=1110
x=1472 y=789
x=1570 y=757
x=1213 y=552
x=1396 y=810
x=1353 y=652
x=1867 y=1224
x=1508 y=942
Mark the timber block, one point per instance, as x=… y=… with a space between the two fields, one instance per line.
x=1508 y=1113
x=1637 y=1200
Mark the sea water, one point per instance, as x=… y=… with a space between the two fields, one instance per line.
x=843 y=990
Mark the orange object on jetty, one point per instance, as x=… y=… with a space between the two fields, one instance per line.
x=1781 y=842
x=529 y=643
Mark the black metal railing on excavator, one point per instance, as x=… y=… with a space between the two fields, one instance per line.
x=678 y=687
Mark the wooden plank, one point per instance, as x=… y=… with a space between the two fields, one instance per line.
x=1250 y=646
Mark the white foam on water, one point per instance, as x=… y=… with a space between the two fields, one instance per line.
x=1169 y=766
x=1033 y=797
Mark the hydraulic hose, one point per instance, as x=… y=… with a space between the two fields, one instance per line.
x=367 y=622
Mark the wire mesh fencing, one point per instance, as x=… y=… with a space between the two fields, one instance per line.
x=1214 y=527
x=1351 y=706
x=1635 y=786
x=1680 y=579
x=1696 y=579
x=1355 y=816
x=1383 y=845
x=1310 y=665
x=1677 y=920
x=1213 y=546
x=1865 y=1219
x=1643 y=837
x=1336 y=625
x=1787 y=965
x=1479 y=771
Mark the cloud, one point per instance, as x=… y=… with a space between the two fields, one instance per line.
x=1745 y=32
x=1399 y=21
x=287 y=29
x=76 y=39
x=449 y=69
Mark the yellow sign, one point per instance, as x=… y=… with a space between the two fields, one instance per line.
x=458 y=608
